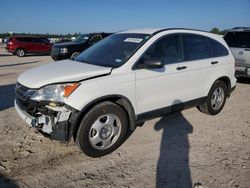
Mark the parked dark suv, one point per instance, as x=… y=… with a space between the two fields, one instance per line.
x=22 y=45
x=72 y=49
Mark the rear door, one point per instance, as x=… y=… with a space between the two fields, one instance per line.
x=239 y=43
x=40 y=46
x=203 y=66
x=24 y=43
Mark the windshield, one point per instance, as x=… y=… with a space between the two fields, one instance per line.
x=114 y=50
x=82 y=38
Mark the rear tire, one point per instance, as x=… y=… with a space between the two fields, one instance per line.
x=74 y=55
x=20 y=52
x=102 y=130
x=216 y=99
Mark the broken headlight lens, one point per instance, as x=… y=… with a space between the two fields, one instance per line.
x=57 y=92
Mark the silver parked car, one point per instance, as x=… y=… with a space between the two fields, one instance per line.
x=238 y=39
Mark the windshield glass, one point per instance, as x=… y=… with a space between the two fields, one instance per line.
x=82 y=38
x=114 y=50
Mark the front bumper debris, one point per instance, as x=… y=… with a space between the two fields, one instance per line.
x=55 y=122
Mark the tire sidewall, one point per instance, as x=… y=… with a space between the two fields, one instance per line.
x=82 y=138
x=74 y=55
x=18 y=54
x=216 y=85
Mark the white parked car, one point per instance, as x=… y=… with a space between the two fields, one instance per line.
x=238 y=39
x=123 y=80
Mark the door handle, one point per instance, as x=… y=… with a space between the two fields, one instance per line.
x=181 y=68
x=247 y=49
x=214 y=62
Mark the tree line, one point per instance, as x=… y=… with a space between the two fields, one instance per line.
x=69 y=35
x=47 y=35
x=215 y=30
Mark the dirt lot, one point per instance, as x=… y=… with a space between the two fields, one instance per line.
x=175 y=151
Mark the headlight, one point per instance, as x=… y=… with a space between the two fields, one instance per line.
x=56 y=93
x=64 y=50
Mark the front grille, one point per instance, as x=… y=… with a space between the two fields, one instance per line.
x=55 y=51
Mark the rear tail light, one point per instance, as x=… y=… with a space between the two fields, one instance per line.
x=10 y=42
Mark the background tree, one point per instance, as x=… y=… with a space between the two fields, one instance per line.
x=215 y=30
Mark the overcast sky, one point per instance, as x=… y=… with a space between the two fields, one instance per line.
x=70 y=16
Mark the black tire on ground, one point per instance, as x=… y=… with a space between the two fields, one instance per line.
x=74 y=55
x=140 y=124
x=84 y=134
x=20 y=52
x=208 y=107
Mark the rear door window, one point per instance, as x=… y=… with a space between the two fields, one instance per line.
x=24 y=39
x=36 y=40
x=238 y=39
x=197 y=47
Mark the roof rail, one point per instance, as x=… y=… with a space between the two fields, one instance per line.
x=178 y=29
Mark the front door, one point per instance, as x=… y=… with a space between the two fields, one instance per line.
x=158 y=88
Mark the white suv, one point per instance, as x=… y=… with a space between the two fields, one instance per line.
x=124 y=80
x=238 y=39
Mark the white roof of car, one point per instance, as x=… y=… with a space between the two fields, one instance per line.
x=153 y=30
x=142 y=31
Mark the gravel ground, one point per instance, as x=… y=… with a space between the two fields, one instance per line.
x=178 y=150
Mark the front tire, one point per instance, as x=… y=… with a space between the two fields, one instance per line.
x=102 y=130
x=216 y=99
x=20 y=52
x=75 y=54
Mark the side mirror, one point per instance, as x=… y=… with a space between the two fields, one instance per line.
x=153 y=64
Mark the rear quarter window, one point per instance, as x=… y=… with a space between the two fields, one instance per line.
x=37 y=40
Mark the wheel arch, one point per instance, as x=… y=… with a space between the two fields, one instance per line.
x=225 y=79
x=120 y=100
x=74 y=53
x=20 y=49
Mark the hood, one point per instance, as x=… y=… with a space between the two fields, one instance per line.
x=67 y=44
x=60 y=71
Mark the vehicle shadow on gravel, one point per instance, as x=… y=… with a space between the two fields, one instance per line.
x=173 y=164
x=7 y=95
x=7 y=182
x=5 y=55
x=17 y=64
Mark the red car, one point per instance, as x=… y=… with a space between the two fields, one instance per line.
x=22 y=45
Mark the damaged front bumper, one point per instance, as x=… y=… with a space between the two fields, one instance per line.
x=55 y=122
